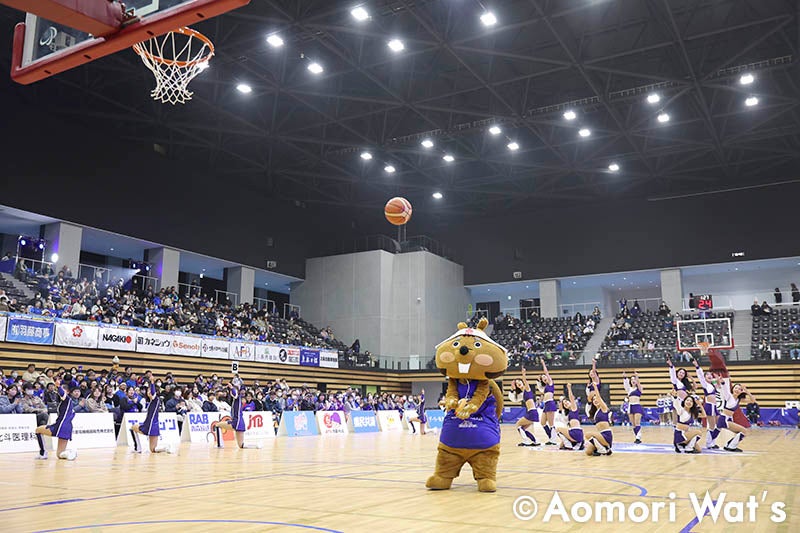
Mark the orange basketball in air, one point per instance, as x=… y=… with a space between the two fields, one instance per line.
x=398 y=211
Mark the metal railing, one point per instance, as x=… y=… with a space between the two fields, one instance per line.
x=288 y=308
x=148 y=281
x=226 y=295
x=645 y=304
x=94 y=273
x=743 y=300
x=263 y=303
x=34 y=267
x=584 y=308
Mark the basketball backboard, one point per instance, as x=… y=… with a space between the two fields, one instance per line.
x=715 y=332
x=43 y=48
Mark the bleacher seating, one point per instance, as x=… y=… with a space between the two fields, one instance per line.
x=659 y=330
x=776 y=330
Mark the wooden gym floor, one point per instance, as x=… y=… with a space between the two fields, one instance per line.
x=375 y=482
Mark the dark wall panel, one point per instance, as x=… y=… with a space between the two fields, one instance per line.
x=631 y=235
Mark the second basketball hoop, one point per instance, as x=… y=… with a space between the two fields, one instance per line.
x=175 y=59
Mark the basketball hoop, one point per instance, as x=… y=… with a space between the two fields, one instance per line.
x=175 y=59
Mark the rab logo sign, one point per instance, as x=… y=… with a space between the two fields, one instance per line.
x=110 y=337
x=77 y=331
x=256 y=421
x=282 y=355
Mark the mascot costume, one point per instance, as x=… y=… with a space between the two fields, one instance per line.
x=473 y=405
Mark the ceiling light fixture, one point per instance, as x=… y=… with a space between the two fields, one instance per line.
x=751 y=101
x=389 y=169
x=366 y=156
x=488 y=19
x=653 y=98
x=275 y=41
x=438 y=196
x=495 y=130
x=244 y=88
x=315 y=68
x=747 y=79
x=585 y=132
x=663 y=117
x=396 y=45
x=570 y=115
x=613 y=167
x=359 y=13
x=449 y=158
x=513 y=146
x=427 y=143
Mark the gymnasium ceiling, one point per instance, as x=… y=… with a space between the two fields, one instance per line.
x=299 y=136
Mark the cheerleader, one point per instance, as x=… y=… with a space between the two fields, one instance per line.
x=687 y=439
x=550 y=407
x=679 y=379
x=593 y=385
x=709 y=384
x=418 y=415
x=61 y=428
x=531 y=413
x=236 y=423
x=599 y=441
x=149 y=426
x=572 y=435
x=731 y=396
x=633 y=388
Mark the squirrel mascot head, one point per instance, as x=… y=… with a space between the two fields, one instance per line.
x=471 y=354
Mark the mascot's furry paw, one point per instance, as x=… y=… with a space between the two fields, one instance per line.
x=451 y=404
x=438 y=482
x=465 y=410
x=487 y=485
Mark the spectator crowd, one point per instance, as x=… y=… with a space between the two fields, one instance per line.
x=124 y=391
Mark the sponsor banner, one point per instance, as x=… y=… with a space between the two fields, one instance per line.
x=167 y=425
x=259 y=424
x=435 y=418
x=216 y=349
x=328 y=359
x=78 y=334
x=390 y=420
x=298 y=424
x=18 y=433
x=363 y=422
x=3 y=324
x=309 y=357
x=197 y=427
x=30 y=331
x=89 y=430
x=266 y=353
x=331 y=423
x=241 y=350
x=112 y=338
x=149 y=341
x=186 y=345
x=286 y=355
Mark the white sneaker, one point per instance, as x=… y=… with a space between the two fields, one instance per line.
x=173 y=448
x=42 y=457
x=69 y=454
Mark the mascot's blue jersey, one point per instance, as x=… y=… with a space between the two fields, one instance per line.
x=479 y=431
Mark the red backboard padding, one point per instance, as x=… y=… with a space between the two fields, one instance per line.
x=98 y=17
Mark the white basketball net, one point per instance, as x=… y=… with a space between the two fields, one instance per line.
x=175 y=59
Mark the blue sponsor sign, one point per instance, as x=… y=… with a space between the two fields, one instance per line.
x=30 y=331
x=309 y=357
x=435 y=418
x=364 y=421
x=300 y=423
